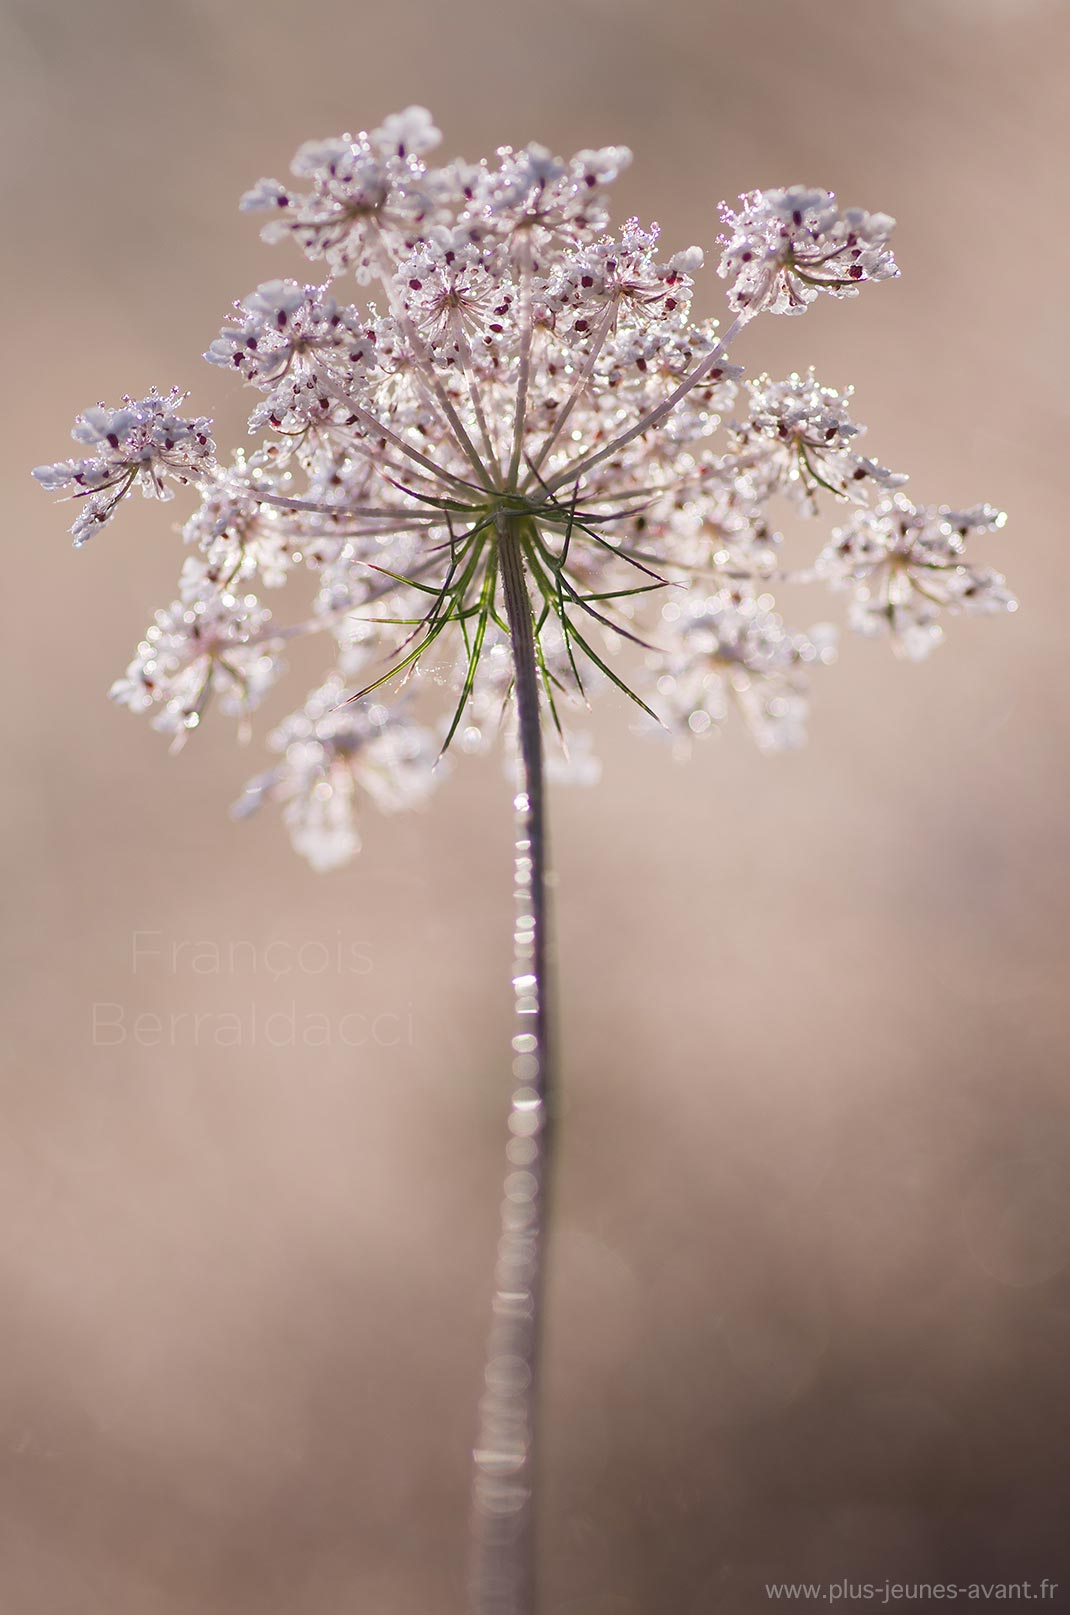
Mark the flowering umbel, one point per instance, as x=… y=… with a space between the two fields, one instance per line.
x=524 y=380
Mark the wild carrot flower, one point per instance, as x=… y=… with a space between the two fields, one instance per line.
x=798 y=439
x=332 y=752
x=194 y=651
x=521 y=473
x=529 y=380
x=784 y=248
x=906 y=566
x=143 y=442
x=733 y=651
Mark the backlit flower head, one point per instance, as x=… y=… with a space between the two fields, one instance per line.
x=732 y=651
x=143 y=442
x=523 y=419
x=783 y=248
x=798 y=439
x=333 y=756
x=363 y=190
x=907 y=568
x=210 y=647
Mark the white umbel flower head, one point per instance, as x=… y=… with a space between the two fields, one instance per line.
x=734 y=653
x=364 y=190
x=525 y=406
x=783 y=248
x=333 y=754
x=203 y=649
x=906 y=566
x=798 y=439
x=144 y=442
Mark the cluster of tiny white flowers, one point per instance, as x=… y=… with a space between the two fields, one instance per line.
x=143 y=442
x=733 y=650
x=330 y=751
x=525 y=369
x=294 y=344
x=906 y=567
x=798 y=439
x=784 y=248
x=212 y=646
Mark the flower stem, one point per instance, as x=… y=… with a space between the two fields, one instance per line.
x=504 y=1498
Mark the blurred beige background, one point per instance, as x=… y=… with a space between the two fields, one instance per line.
x=811 y=1288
